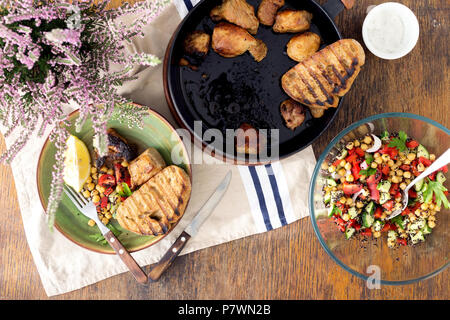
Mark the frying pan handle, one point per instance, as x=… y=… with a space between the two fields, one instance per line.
x=334 y=7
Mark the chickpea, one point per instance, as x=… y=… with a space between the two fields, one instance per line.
x=349 y=201
x=374 y=164
x=93 y=169
x=367 y=140
x=91 y=223
x=94 y=176
x=407 y=174
x=89 y=179
x=331 y=169
x=378 y=160
x=324 y=165
x=391 y=173
x=377 y=155
x=105 y=220
x=424 y=206
x=412 y=217
x=110 y=171
x=345 y=217
x=391 y=163
x=403 y=186
x=350 y=178
x=343 y=200
x=94 y=193
x=124 y=163
x=96 y=199
x=402 y=155
x=420 y=167
x=86 y=194
x=90 y=186
x=359 y=204
x=432 y=218
x=103 y=169
x=431 y=224
x=108 y=215
x=432 y=157
x=376 y=234
x=411 y=156
x=342 y=163
x=385 y=157
x=350 y=145
x=364 y=146
x=342 y=180
x=406 y=162
x=437 y=208
x=356 y=143
x=383 y=215
x=431 y=206
x=399 y=172
x=395 y=179
x=348 y=166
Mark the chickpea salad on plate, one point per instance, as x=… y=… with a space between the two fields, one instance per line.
x=364 y=185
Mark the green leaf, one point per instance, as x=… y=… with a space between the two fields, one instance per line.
x=369 y=158
x=400 y=142
x=368 y=172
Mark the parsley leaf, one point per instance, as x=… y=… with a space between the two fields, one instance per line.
x=384 y=135
x=369 y=158
x=368 y=172
x=436 y=188
x=400 y=142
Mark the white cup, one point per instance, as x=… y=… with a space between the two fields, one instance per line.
x=390 y=30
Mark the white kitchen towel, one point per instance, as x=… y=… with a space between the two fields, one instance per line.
x=259 y=198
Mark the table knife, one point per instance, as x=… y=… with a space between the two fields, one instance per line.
x=191 y=230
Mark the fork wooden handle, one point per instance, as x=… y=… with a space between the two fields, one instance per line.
x=126 y=257
x=169 y=257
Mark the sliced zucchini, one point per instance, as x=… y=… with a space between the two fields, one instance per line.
x=370 y=208
x=349 y=231
x=426 y=229
x=384 y=197
x=352 y=212
x=419 y=184
x=384 y=186
x=440 y=177
x=422 y=152
x=327 y=197
x=342 y=154
x=417 y=237
x=367 y=219
x=331 y=182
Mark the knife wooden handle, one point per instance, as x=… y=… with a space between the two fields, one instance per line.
x=126 y=257
x=169 y=256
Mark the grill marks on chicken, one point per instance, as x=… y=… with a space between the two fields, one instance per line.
x=157 y=204
x=230 y=41
x=238 y=12
x=321 y=79
x=267 y=11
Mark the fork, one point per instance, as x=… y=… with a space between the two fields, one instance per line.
x=88 y=208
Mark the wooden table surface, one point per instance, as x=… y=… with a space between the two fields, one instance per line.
x=286 y=263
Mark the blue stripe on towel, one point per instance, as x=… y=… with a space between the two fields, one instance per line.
x=260 y=194
x=276 y=193
x=188 y=4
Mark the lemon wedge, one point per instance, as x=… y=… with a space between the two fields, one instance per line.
x=77 y=163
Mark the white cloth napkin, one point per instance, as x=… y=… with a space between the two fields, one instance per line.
x=259 y=198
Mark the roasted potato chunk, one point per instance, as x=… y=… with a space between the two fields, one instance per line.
x=197 y=43
x=292 y=21
x=303 y=46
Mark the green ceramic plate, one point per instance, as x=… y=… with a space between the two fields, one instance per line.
x=157 y=133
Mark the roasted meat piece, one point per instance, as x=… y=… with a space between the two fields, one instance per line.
x=196 y=44
x=118 y=150
x=157 y=204
x=145 y=166
x=303 y=46
x=293 y=113
x=321 y=79
x=267 y=11
x=316 y=112
x=292 y=21
x=230 y=41
x=238 y=12
x=249 y=140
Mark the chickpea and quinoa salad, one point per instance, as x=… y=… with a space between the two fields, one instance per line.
x=364 y=186
x=107 y=188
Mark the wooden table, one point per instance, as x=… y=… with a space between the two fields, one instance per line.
x=286 y=263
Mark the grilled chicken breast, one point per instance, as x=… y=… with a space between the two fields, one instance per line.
x=230 y=41
x=321 y=79
x=293 y=113
x=157 y=204
x=267 y=11
x=292 y=21
x=303 y=45
x=145 y=166
x=238 y=12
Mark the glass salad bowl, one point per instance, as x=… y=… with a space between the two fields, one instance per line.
x=367 y=257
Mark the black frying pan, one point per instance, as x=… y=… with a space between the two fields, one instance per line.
x=225 y=92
